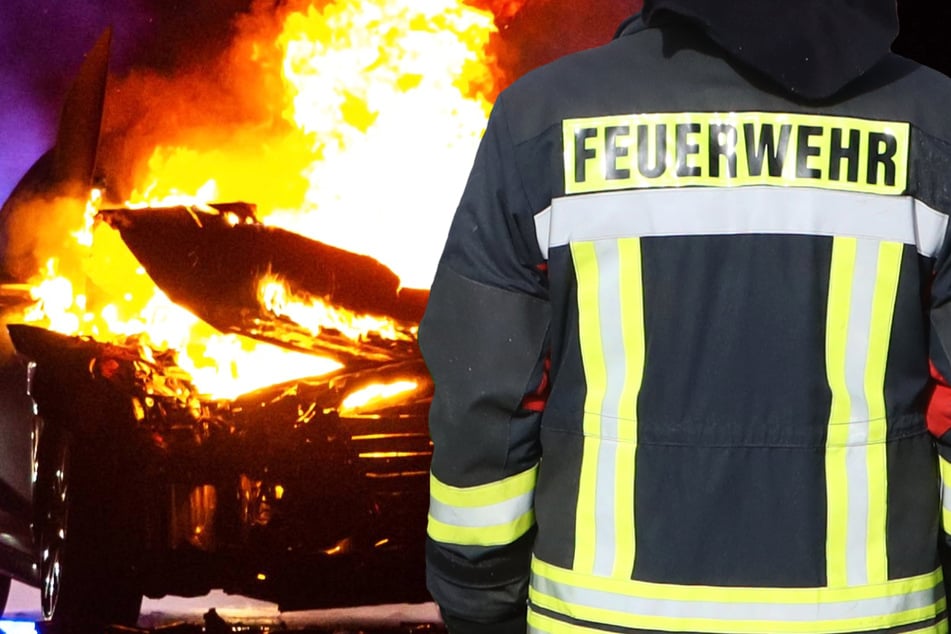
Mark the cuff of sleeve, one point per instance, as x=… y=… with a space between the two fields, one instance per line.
x=514 y=625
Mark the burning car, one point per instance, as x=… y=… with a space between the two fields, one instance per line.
x=310 y=492
x=218 y=397
x=221 y=399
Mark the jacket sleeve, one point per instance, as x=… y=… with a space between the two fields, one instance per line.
x=939 y=405
x=484 y=339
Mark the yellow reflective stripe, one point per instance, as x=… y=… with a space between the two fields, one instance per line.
x=736 y=594
x=883 y=308
x=732 y=626
x=484 y=494
x=858 y=331
x=945 y=468
x=643 y=605
x=837 y=326
x=592 y=355
x=542 y=624
x=941 y=627
x=497 y=535
x=631 y=296
x=488 y=514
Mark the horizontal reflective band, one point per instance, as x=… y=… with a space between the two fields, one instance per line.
x=497 y=535
x=481 y=516
x=737 y=211
x=539 y=623
x=945 y=494
x=484 y=515
x=643 y=605
x=484 y=494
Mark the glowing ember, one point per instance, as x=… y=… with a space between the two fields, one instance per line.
x=375 y=395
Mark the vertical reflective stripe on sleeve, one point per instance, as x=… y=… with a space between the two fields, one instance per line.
x=862 y=289
x=945 y=467
x=610 y=308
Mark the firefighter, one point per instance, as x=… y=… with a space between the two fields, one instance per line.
x=690 y=334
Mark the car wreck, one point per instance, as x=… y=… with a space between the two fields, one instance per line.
x=308 y=493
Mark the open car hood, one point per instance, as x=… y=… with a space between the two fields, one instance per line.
x=211 y=260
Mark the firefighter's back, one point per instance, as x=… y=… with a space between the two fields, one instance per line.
x=735 y=439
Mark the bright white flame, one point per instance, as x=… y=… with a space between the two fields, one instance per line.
x=375 y=395
x=384 y=98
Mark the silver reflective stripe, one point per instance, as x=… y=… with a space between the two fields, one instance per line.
x=611 y=338
x=482 y=516
x=572 y=596
x=931 y=226
x=542 y=229
x=740 y=210
x=863 y=284
x=856 y=357
x=612 y=342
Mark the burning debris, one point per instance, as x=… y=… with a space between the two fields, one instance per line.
x=241 y=276
x=319 y=477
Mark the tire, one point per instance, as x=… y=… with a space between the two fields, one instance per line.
x=4 y=592
x=85 y=585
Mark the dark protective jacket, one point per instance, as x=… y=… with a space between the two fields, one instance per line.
x=688 y=337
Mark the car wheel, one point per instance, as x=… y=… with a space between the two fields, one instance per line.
x=4 y=592
x=84 y=585
x=52 y=528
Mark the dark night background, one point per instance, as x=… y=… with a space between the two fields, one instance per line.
x=42 y=43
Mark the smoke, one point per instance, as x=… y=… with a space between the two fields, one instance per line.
x=202 y=91
x=42 y=43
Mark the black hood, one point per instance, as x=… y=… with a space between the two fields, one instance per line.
x=812 y=48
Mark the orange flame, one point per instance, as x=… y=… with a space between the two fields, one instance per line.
x=353 y=123
x=384 y=104
x=316 y=315
x=375 y=395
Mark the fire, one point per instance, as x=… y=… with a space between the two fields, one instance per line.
x=368 y=114
x=316 y=315
x=375 y=395
x=382 y=105
x=221 y=365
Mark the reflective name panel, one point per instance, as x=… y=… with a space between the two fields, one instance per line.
x=735 y=149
